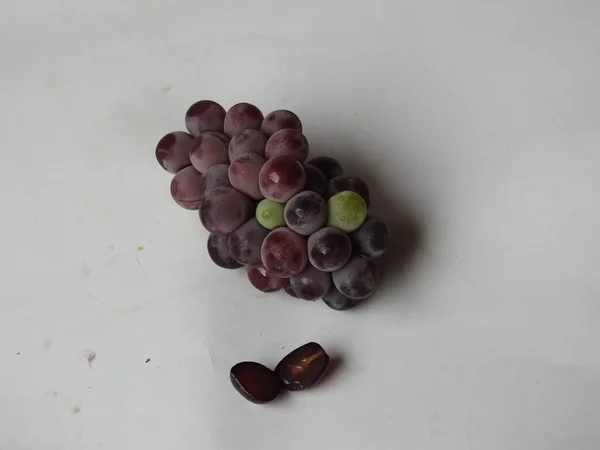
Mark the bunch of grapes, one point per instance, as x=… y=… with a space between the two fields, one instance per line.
x=294 y=225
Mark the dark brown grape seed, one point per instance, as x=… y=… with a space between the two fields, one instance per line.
x=329 y=166
x=347 y=183
x=315 y=180
x=255 y=382
x=240 y=117
x=186 y=188
x=265 y=281
x=278 y=120
x=303 y=367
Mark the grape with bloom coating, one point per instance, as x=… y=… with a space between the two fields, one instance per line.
x=248 y=141
x=315 y=180
x=281 y=178
x=338 y=301
x=329 y=249
x=287 y=142
x=372 y=238
x=270 y=214
x=278 y=120
x=358 y=279
x=204 y=115
x=224 y=209
x=240 y=117
x=218 y=250
x=246 y=241
x=221 y=136
x=347 y=211
x=265 y=281
x=305 y=212
x=289 y=290
x=283 y=252
x=349 y=183
x=186 y=188
x=329 y=166
x=311 y=283
x=208 y=150
x=243 y=174
x=173 y=151
x=215 y=176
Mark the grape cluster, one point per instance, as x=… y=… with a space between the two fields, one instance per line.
x=294 y=225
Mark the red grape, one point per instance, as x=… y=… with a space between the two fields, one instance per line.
x=311 y=283
x=347 y=183
x=215 y=176
x=315 y=180
x=246 y=241
x=329 y=166
x=287 y=142
x=265 y=281
x=329 y=249
x=372 y=238
x=218 y=250
x=173 y=151
x=281 y=178
x=243 y=174
x=283 y=252
x=186 y=188
x=221 y=136
x=338 y=301
x=208 y=150
x=278 y=120
x=204 y=115
x=358 y=279
x=240 y=117
x=248 y=141
x=305 y=212
x=224 y=209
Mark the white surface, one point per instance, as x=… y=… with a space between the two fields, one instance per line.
x=482 y=116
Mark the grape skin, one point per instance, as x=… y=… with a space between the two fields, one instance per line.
x=204 y=115
x=218 y=250
x=186 y=188
x=372 y=238
x=348 y=183
x=245 y=242
x=311 y=283
x=283 y=252
x=315 y=180
x=329 y=249
x=215 y=176
x=305 y=212
x=248 y=141
x=281 y=178
x=330 y=167
x=358 y=279
x=338 y=301
x=240 y=117
x=243 y=174
x=287 y=142
x=173 y=151
x=278 y=120
x=265 y=281
x=208 y=150
x=224 y=209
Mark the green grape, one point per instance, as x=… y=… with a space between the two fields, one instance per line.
x=270 y=214
x=347 y=211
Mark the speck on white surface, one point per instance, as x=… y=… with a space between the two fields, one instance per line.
x=477 y=124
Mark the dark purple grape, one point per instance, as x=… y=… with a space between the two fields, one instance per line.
x=255 y=382
x=281 y=178
x=372 y=238
x=329 y=166
x=224 y=209
x=311 y=283
x=283 y=252
x=246 y=241
x=221 y=136
x=338 y=301
x=305 y=212
x=315 y=180
x=204 y=115
x=186 y=188
x=173 y=151
x=242 y=116
x=358 y=279
x=248 y=141
x=289 y=290
x=265 y=281
x=218 y=250
x=287 y=142
x=329 y=249
x=278 y=120
x=208 y=150
x=214 y=177
x=243 y=174
x=347 y=183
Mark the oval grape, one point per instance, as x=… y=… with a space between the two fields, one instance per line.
x=204 y=115
x=358 y=279
x=240 y=117
x=224 y=209
x=243 y=174
x=206 y=151
x=287 y=142
x=186 y=188
x=329 y=249
x=278 y=120
x=281 y=178
x=248 y=141
x=219 y=252
x=283 y=252
x=245 y=243
x=311 y=283
x=305 y=212
x=173 y=151
x=372 y=238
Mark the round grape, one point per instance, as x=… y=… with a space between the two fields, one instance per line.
x=221 y=136
x=372 y=238
x=329 y=166
x=173 y=151
x=218 y=250
x=186 y=188
x=283 y=252
x=287 y=142
x=270 y=214
x=204 y=115
x=338 y=301
x=215 y=176
x=278 y=120
x=243 y=174
x=265 y=281
x=329 y=249
x=311 y=283
x=248 y=141
x=305 y=212
x=358 y=279
x=206 y=151
x=347 y=211
x=289 y=290
x=281 y=178
x=246 y=241
x=240 y=117
x=224 y=209
x=347 y=183
x=315 y=180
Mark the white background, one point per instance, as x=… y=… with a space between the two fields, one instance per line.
x=477 y=123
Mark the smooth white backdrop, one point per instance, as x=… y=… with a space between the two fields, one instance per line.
x=477 y=124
